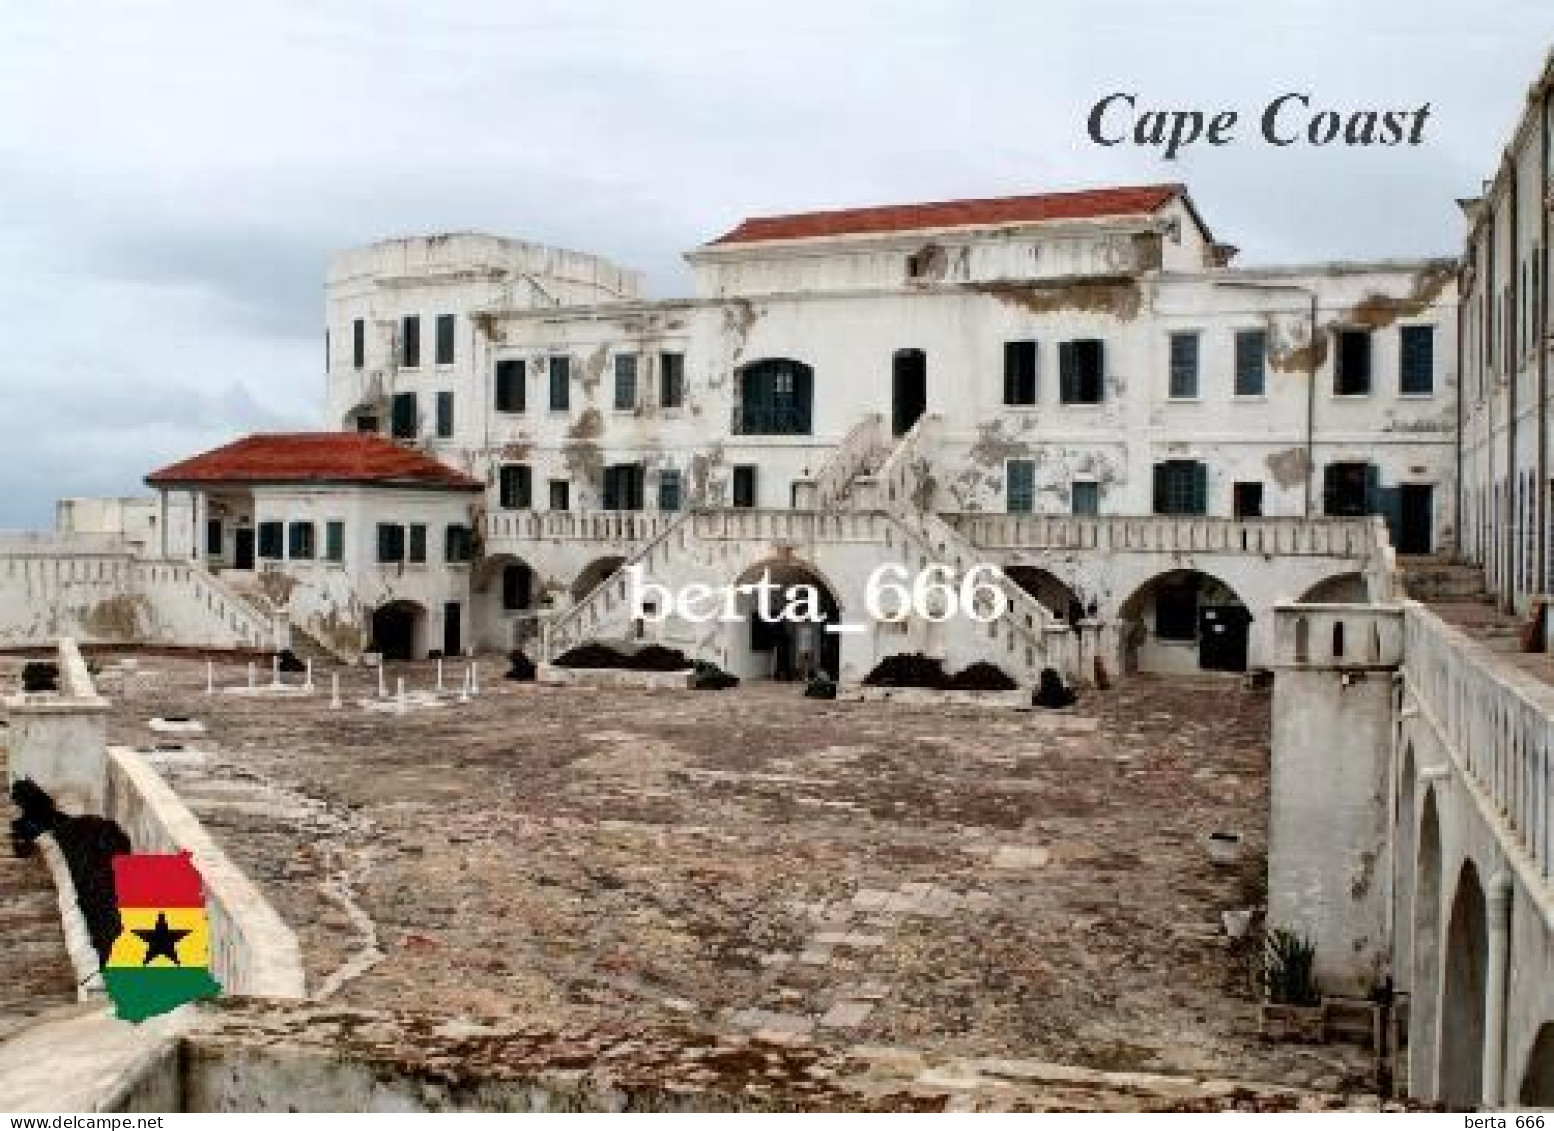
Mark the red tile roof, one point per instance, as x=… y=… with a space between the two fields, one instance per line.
x=1088 y=204
x=314 y=457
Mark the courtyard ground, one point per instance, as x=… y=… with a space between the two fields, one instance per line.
x=953 y=881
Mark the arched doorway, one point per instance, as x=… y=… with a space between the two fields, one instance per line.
x=505 y=593
x=783 y=649
x=1462 y=995
x=1425 y=985
x=1537 y=1088
x=774 y=397
x=1185 y=620
x=398 y=630
x=1055 y=595
x=1340 y=589
x=1403 y=864
x=594 y=575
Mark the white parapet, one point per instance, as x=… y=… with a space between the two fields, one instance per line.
x=57 y=737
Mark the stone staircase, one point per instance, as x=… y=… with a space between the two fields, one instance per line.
x=35 y=971
x=1455 y=591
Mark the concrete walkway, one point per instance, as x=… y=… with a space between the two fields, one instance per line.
x=81 y=1058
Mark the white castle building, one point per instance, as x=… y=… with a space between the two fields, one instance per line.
x=1042 y=382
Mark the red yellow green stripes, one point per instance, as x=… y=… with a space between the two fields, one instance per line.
x=161 y=956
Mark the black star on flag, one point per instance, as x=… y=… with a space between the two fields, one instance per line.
x=161 y=941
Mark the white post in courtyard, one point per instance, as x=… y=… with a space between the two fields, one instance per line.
x=334 y=691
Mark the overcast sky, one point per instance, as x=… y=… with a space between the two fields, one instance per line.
x=172 y=175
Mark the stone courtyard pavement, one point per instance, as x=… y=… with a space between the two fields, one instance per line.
x=938 y=881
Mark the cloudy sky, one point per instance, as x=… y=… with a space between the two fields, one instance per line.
x=172 y=175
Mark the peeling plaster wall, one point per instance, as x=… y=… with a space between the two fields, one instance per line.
x=333 y=602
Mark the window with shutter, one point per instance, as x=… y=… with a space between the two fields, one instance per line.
x=1251 y=362
x=671 y=380
x=1081 y=371
x=744 y=485
x=625 y=381
x=1184 y=366
x=514 y=486
x=300 y=546
x=417 y=542
x=560 y=495
x=1020 y=486
x=1416 y=360
x=391 y=542
x=271 y=538
x=404 y=417
x=213 y=538
x=1085 y=498
x=774 y=398
x=1181 y=487
x=358 y=344
x=669 y=489
x=444 y=414
x=560 y=384
x=334 y=541
x=445 y=329
x=517 y=587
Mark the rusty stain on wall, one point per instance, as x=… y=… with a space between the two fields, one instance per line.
x=1118 y=297
x=275 y=586
x=116 y=618
x=1289 y=468
x=584 y=459
x=1377 y=310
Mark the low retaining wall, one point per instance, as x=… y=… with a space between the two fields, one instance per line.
x=934 y=697
x=57 y=737
x=618 y=678
x=253 y=952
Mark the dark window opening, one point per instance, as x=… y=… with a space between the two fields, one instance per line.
x=366 y=423
x=669 y=489
x=517 y=587
x=560 y=384
x=300 y=541
x=1352 y=363
x=1181 y=487
x=511 y=379
x=1085 y=498
x=1351 y=489
x=560 y=495
x=1082 y=371
x=908 y=389
x=271 y=537
x=334 y=541
x=391 y=542
x=623 y=487
x=358 y=344
x=774 y=398
x=1251 y=362
x=1416 y=359
x=1184 y=366
x=1176 y=609
x=671 y=380
x=458 y=544
x=1247 y=500
x=1020 y=373
x=404 y=417
x=418 y=542
x=445 y=325
x=213 y=538
x=1020 y=486
x=410 y=341
x=514 y=486
x=444 y=415
x=625 y=381
x=744 y=485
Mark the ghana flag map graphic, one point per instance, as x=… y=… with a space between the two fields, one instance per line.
x=161 y=957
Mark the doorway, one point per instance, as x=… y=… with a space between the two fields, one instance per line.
x=243 y=550
x=394 y=630
x=1416 y=508
x=1222 y=637
x=1248 y=500
x=452 y=626
x=908 y=389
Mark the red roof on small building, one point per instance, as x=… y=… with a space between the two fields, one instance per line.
x=314 y=457
x=1087 y=204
